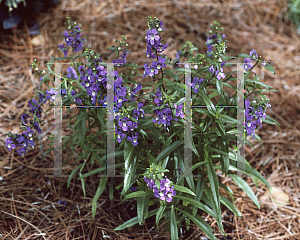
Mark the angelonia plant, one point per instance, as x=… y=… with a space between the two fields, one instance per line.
x=149 y=130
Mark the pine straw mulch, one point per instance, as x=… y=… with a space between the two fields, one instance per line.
x=29 y=208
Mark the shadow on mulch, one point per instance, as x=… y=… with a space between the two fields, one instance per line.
x=29 y=200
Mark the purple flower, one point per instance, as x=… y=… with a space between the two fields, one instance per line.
x=62 y=202
x=35 y=108
x=165 y=184
x=150 y=182
x=41 y=97
x=196 y=84
x=71 y=73
x=72 y=40
x=64 y=49
x=68 y=39
x=92 y=91
x=120 y=135
x=211 y=69
x=220 y=74
x=147 y=70
x=179 y=111
x=248 y=64
x=37 y=127
x=133 y=188
x=171 y=194
x=63 y=92
x=133 y=139
x=153 y=41
x=78 y=100
x=165 y=192
x=21 y=151
x=177 y=58
x=51 y=94
x=20 y=140
x=253 y=54
x=28 y=133
x=9 y=144
x=24 y=118
x=73 y=93
x=161 y=62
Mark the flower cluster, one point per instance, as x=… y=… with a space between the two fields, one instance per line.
x=164 y=116
x=153 y=38
x=250 y=113
x=23 y=141
x=121 y=61
x=179 y=111
x=155 y=66
x=248 y=61
x=165 y=192
x=154 y=46
x=71 y=73
x=94 y=80
x=211 y=41
x=196 y=84
x=176 y=60
x=26 y=138
x=125 y=125
x=73 y=40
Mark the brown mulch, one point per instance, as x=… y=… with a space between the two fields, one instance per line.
x=28 y=199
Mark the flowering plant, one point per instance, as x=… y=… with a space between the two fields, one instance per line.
x=140 y=135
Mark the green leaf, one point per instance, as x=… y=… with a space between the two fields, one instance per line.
x=245 y=187
x=168 y=150
x=269 y=67
x=133 y=119
x=159 y=214
x=227 y=189
x=183 y=189
x=209 y=104
x=214 y=184
x=62 y=58
x=220 y=127
x=157 y=134
x=142 y=208
x=174 y=229
x=134 y=221
x=180 y=163
x=228 y=119
x=72 y=174
x=250 y=171
x=225 y=163
x=191 y=143
x=100 y=115
x=242 y=55
x=82 y=185
x=111 y=189
x=270 y=120
x=135 y=194
x=219 y=84
x=131 y=159
x=199 y=221
x=116 y=154
x=101 y=188
x=151 y=159
x=98 y=170
x=187 y=172
x=199 y=192
x=170 y=73
x=230 y=206
x=197 y=204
